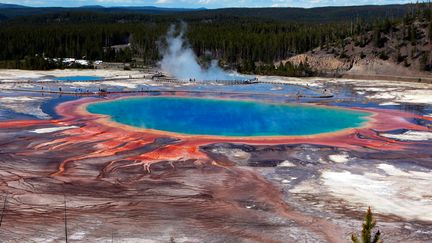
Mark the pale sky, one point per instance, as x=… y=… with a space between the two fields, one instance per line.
x=202 y=3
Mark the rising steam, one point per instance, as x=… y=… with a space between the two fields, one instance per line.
x=180 y=61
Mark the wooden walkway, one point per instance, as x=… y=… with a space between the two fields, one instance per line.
x=166 y=91
x=320 y=93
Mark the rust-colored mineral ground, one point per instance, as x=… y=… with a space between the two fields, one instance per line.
x=99 y=181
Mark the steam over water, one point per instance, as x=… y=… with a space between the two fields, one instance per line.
x=180 y=61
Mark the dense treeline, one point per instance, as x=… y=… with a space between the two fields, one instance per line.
x=231 y=40
x=88 y=41
x=315 y=15
x=264 y=42
x=243 y=42
x=40 y=63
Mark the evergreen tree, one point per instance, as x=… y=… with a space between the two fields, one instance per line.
x=367 y=230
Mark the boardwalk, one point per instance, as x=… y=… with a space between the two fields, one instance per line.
x=90 y=91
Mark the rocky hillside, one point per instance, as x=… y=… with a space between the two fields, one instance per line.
x=402 y=48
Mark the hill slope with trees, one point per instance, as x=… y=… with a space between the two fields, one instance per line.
x=390 y=47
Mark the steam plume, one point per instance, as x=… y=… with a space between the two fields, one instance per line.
x=180 y=61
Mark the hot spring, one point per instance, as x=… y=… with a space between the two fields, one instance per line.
x=221 y=117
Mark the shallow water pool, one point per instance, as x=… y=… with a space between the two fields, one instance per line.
x=221 y=117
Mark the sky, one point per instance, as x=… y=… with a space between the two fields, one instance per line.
x=202 y=3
